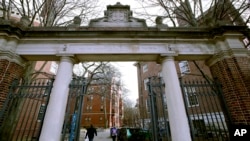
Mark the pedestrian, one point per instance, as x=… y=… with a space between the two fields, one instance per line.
x=90 y=133
x=113 y=133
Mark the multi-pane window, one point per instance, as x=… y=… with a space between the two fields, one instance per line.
x=90 y=98
x=145 y=68
x=191 y=96
x=101 y=107
x=146 y=84
x=184 y=67
x=89 y=108
x=53 y=67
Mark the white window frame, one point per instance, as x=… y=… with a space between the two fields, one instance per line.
x=190 y=94
x=53 y=67
x=184 y=67
x=145 y=81
x=145 y=68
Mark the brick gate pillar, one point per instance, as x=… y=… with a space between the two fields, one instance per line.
x=11 y=67
x=231 y=66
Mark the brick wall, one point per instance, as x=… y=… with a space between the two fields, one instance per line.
x=8 y=72
x=233 y=74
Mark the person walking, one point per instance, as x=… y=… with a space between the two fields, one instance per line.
x=113 y=133
x=90 y=133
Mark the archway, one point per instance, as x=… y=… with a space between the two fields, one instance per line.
x=120 y=37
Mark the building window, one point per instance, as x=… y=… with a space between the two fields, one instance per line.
x=53 y=67
x=159 y=74
x=91 y=89
x=145 y=68
x=146 y=84
x=184 y=67
x=101 y=107
x=191 y=97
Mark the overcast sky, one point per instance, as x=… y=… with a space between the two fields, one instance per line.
x=129 y=78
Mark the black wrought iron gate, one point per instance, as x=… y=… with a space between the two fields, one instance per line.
x=205 y=106
x=204 y=103
x=72 y=120
x=23 y=112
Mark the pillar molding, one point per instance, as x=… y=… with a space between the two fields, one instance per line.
x=176 y=109
x=8 y=51
x=55 y=113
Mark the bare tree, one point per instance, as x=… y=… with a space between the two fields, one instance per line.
x=199 y=12
x=103 y=80
x=131 y=114
x=50 y=12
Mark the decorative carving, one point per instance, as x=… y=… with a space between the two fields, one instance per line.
x=118 y=15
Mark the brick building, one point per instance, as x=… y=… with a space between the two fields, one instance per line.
x=103 y=105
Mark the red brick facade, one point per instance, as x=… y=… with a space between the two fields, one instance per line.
x=8 y=72
x=234 y=75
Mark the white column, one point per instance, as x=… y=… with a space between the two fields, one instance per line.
x=54 y=117
x=176 y=109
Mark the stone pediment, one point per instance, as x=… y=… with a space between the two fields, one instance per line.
x=118 y=15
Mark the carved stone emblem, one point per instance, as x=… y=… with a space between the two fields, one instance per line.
x=117 y=16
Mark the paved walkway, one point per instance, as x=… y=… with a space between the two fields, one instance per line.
x=102 y=135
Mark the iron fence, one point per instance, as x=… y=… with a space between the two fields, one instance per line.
x=204 y=105
x=24 y=109
x=207 y=117
x=25 y=106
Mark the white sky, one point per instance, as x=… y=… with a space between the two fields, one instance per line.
x=129 y=78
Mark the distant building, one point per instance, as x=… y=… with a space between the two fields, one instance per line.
x=103 y=105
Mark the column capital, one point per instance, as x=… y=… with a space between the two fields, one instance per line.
x=68 y=58
x=170 y=55
x=8 y=51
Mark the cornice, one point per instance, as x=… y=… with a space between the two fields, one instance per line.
x=12 y=58
x=11 y=30
x=223 y=54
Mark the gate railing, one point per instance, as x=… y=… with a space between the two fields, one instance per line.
x=203 y=103
x=158 y=113
x=72 y=120
x=24 y=109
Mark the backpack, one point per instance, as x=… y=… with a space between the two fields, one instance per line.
x=113 y=132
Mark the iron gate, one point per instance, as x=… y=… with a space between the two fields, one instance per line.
x=204 y=104
x=72 y=120
x=24 y=109
x=158 y=110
